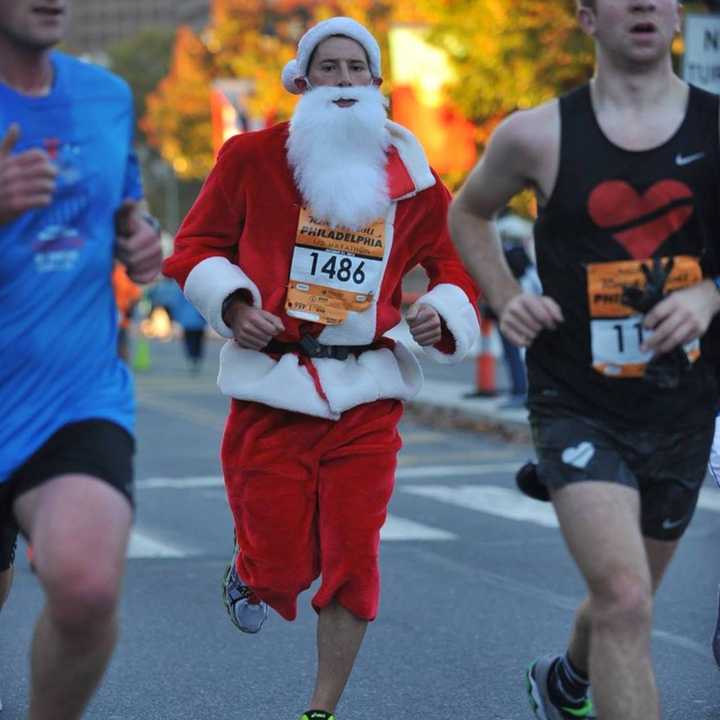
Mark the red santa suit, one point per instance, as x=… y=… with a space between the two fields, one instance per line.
x=310 y=446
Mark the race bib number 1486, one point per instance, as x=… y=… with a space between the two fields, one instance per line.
x=334 y=270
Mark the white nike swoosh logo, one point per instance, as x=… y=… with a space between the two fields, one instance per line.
x=686 y=160
x=669 y=524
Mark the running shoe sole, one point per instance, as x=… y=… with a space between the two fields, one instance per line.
x=533 y=691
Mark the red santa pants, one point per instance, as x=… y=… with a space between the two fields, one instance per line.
x=309 y=497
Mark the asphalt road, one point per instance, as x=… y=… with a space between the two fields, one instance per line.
x=475 y=584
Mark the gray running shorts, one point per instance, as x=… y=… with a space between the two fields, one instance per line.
x=667 y=467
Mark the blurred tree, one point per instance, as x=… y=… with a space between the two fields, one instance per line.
x=142 y=60
x=245 y=39
x=177 y=121
x=509 y=54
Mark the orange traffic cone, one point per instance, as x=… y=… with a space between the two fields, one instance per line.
x=485 y=382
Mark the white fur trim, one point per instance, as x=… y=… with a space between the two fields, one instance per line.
x=413 y=157
x=359 y=327
x=210 y=282
x=254 y=376
x=290 y=74
x=453 y=306
x=297 y=68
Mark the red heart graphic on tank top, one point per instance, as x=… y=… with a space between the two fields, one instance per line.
x=615 y=203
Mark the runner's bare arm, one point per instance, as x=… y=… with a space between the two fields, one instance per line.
x=510 y=164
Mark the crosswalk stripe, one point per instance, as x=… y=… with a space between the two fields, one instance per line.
x=143 y=545
x=185 y=483
x=490 y=499
x=709 y=499
x=206 y=481
x=455 y=470
x=397 y=528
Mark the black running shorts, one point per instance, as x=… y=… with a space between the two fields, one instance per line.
x=667 y=468
x=99 y=448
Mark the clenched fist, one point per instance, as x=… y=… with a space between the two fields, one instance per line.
x=27 y=179
x=252 y=328
x=424 y=324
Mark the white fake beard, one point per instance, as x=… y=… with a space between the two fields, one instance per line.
x=338 y=155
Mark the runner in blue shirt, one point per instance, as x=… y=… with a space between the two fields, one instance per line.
x=70 y=201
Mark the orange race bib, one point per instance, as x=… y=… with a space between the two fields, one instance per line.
x=616 y=330
x=334 y=270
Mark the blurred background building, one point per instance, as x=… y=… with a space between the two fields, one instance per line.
x=96 y=24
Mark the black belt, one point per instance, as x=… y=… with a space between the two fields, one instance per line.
x=310 y=347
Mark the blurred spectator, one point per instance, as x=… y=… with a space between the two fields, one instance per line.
x=517 y=239
x=127 y=295
x=193 y=327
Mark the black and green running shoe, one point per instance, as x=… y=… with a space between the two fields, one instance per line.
x=317 y=715
x=542 y=705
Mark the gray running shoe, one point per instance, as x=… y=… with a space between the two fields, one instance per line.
x=716 y=636
x=247 y=613
x=540 y=702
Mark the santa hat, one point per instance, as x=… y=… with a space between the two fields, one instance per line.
x=297 y=69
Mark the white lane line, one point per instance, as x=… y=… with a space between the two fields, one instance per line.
x=499 y=501
x=180 y=483
x=456 y=470
x=709 y=499
x=205 y=481
x=397 y=528
x=143 y=545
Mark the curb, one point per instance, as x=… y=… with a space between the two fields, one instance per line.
x=444 y=404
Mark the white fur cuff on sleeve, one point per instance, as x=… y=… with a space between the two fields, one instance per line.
x=454 y=307
x=210 y=282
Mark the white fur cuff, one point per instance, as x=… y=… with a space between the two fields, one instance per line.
x=453 y=306
x=210 y=282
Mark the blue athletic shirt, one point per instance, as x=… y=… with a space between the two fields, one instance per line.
x=58 y=319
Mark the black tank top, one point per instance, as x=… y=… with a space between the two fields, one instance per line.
x=612 y=206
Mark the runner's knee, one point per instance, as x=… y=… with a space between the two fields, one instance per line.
x=81 y=592
x=622 y=601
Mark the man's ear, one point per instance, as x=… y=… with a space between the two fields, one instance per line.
x=586 y=20
x=301 y=84
x=681 y=14
x=377 y=82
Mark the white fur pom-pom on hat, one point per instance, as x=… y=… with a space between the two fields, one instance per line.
x=297 y=69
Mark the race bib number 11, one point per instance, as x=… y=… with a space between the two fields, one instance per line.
x=616 y=329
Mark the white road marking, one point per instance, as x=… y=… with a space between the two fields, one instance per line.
x=494 y=500
x=499 y=501
x=205 y=481
x=143 y=545
x=397 y=528
x=185 y=483
x=709 y=499
x=456 y=470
